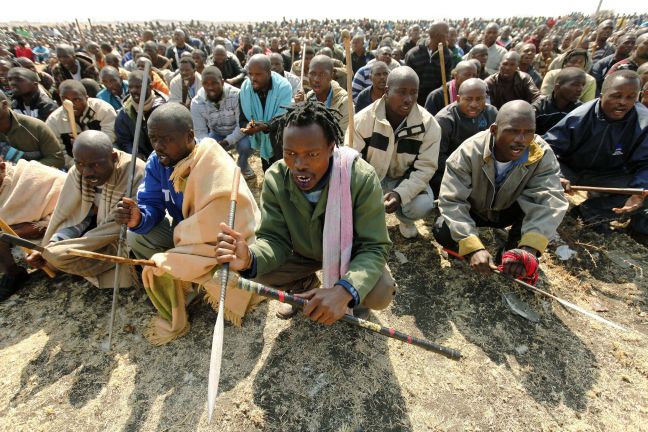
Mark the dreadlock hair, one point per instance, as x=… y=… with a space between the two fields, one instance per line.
x=307 y=113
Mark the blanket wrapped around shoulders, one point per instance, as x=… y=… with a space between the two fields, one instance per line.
x=29 y=192
x=75 y=203
x=205 y=178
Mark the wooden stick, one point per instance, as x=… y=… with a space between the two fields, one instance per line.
x=292 y=54
x=81 y=37
x=4 y=226
x=303 y=62
x=347 y=50
x=111 y=258
x=443 y=74
x=582 y=37
x=216 y=357
x=68 y=106
x=618 y=191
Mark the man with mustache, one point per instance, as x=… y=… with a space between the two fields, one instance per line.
x=605 y=143
x=504 y=176
x=83 y=216
x=400 y=139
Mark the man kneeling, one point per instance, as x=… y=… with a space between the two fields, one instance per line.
x=500 y=177
x=193 y=183
x=322 y=208
x=83 y=216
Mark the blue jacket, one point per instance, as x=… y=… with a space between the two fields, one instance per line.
x=115 y=102
x=155 y=195
x=584 y=140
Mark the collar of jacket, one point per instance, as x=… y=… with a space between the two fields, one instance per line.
x=535 y=150
x=413 y=124
x=299 y=200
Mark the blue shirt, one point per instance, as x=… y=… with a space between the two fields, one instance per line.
x=155 y=195
x=107 y=96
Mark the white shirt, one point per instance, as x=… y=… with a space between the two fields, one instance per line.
x=495 y=54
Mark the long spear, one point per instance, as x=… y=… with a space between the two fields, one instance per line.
x=219 y=328
x=443 y=74
x=284 y=297
x=346 y=35
x=129 y=193
x=545 y=293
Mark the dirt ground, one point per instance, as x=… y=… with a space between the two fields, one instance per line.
x=565 y=372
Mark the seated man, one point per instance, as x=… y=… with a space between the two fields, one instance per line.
x=28 y=98
x=193 y=184
x=510 y=84
x=578 y=58
x=479 y=53
x=379 y=74
x=263 y=97
x=115 y=89
x=325 y=90
x=89 y=114
x=28 y=195
x=460 y=120
x=83 y=216
x=127 y=116
x=215 y=112
x=362 y=78
x=435 y=100
x=158 y=61
x=313 y=219
x=72 y=67
x=297 y=67
x=605 y=143
x=401 y=141
x=563 y=99
x=155 y=76
x=504 y=176
x=24 y=137
x=186 y=84
x=229 y=65
x=277 y=65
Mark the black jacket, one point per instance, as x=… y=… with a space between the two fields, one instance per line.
x=548 y=114
x=428 y=69
x=40 y=106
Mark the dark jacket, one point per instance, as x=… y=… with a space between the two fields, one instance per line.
x=548 y=114
x=357 y=61
x=601 y=68
x=428 y=69
x=521 y=87
x=435 y=102
x=40 y=106
x=88 y=70
x=125 y=126
x=586 y=141
x=231 y=68
x=364 y=99
x=455 y=129
x=171 y=54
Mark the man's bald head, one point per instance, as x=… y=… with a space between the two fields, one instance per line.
x=94 y=157
x=174 y=115
x=260 y=60
x=109 y=71
x=464 y=70
x=570 y=74
x=23 y=73
x=93 y=141
x=322 y=61
x=212 y=71
x=516 y=109
x=511 y=56
x=472 y=84
x=64 y=48
x=400 y=75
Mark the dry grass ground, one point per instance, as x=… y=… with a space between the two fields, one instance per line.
x=564 y=373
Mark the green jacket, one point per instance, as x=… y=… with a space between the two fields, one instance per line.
x=35 y=138
x=290 y=224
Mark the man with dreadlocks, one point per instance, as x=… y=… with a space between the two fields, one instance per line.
x=321 y=208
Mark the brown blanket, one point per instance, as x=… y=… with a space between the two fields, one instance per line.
x=75 y=203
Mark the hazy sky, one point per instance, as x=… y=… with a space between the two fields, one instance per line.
x=257 y=10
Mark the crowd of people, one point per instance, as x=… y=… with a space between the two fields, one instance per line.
x=465 y=123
